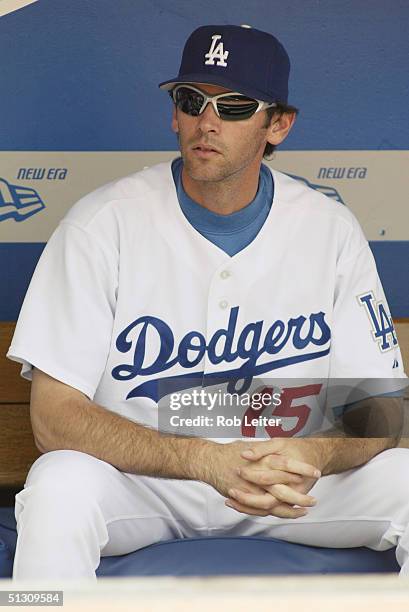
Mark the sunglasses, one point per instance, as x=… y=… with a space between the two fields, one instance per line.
x=230 y=106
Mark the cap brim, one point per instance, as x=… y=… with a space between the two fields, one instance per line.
x=217 y=80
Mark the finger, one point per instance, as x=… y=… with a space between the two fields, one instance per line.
x=287 y=464
x=286 y=494
x=267 y=501
x=284 y=463
x=231 y=503
x=279 y=511
x=288 y=512
x=268 y=477
x=280 y=462
x=249 y=487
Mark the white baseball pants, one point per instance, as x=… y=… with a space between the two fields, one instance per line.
x=75 y=508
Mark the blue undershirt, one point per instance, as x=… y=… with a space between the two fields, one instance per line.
x=233 y=232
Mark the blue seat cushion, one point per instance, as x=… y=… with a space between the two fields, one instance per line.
x=220 y=556
x=6 y=561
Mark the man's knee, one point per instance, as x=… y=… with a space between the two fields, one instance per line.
x=68 y=475
x=392 y=472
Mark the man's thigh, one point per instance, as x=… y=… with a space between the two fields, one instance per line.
x=137 y=510
x=171 y=509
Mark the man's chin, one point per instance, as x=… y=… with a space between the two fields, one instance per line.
x=204 y=171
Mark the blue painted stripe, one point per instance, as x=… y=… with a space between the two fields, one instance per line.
x=392 y=260
x=18 y=261
x=92 y=83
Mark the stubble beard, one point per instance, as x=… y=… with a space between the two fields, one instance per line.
x=214 y=170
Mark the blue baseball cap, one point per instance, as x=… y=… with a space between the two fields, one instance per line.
x=239 y=58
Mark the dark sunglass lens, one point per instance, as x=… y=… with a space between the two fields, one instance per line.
x=237 y=109
x=188 y=101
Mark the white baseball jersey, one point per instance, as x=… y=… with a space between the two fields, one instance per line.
x=127 y=295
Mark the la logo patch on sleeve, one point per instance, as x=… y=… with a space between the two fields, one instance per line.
x=383 y=331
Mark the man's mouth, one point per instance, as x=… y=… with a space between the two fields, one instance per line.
x=205 y=150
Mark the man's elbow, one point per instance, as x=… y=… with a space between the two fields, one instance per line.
x=39 y=446
x=52 y=405
x=45 y=438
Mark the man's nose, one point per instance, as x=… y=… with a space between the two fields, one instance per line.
x=208 y=119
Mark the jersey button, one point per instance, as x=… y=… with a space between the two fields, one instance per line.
x=223 y=304
x=225 y=274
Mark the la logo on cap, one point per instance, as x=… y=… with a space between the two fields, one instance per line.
x=216 y=53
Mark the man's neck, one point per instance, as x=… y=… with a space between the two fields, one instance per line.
x=222 y=197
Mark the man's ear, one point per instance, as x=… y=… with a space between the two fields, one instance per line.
x=280 y=127
x=175 y=124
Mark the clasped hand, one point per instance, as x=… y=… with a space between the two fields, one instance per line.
x=278 y=475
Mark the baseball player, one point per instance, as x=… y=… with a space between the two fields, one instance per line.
x=209 y=266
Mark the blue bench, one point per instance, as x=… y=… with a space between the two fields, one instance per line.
x=220 y=556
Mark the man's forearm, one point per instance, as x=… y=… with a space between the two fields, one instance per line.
x=370 y=427
x=85 y=426
x=343 y=453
